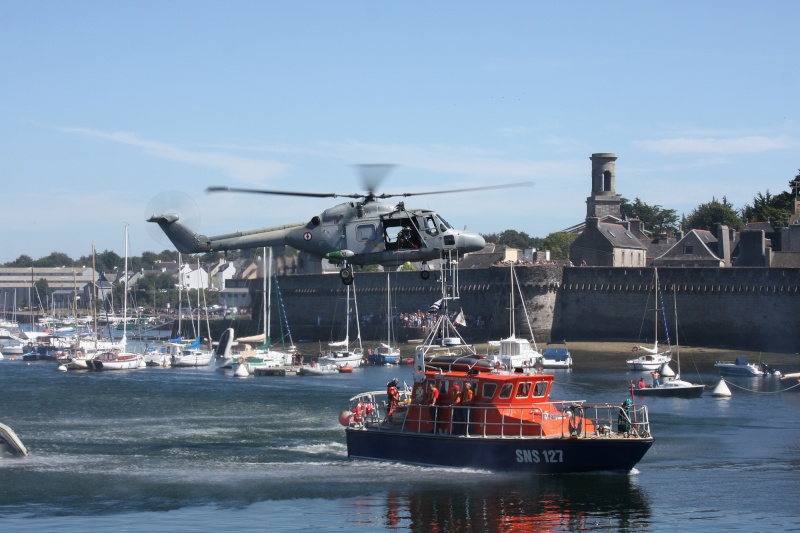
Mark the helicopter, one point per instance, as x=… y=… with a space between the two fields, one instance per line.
x=363 y=231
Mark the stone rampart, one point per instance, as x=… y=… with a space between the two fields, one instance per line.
x=743 y=308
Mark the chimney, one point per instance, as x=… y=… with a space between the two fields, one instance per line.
x=723 y=243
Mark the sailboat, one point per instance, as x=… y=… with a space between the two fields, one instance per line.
x=386 y=353
x=263 y=356
x=119 y=359
x=340 y=353
x=193 y=354
x=512 y=352
x=674 y=387
x=651 y=359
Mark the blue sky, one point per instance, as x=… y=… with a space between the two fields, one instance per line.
x=111 y=110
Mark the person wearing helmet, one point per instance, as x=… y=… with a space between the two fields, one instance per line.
x=394 y=398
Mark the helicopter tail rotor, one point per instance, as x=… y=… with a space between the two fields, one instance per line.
x=175 y=205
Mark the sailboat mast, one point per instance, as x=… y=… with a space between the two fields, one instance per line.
x=512 y=329
x=125 y=294
x=268 y=290
x=655 y=306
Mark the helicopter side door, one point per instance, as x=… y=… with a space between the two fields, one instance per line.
x=401 y=233
x=363 y=237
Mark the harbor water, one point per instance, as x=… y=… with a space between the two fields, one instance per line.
x=162 y=449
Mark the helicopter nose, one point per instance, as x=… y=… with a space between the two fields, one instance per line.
x=470 y=242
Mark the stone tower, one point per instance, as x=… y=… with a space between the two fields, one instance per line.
x=604 y=199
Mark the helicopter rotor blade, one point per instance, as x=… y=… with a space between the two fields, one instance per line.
x=282 y=193
x=372 y=175
x=487 y=188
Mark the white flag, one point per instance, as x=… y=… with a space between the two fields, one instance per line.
x=460 y=318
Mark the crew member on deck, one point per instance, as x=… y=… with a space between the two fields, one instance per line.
x=433 y=402
x=394 y=398
x=457 y=417
x=467 y=400
x=641 y=383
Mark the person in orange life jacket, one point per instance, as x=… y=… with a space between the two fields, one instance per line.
x=394 y=398
x=458 y=412
x=433 y=402
x=467 y=400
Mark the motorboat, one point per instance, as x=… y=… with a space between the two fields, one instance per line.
x=556 y=355
x=315 y=369
x=741 y=367
x=512 y=425
x=10 y=443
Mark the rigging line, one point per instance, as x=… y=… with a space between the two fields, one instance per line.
x=283 y=310
x=758 y=391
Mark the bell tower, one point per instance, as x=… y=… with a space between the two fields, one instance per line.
x=604 y=199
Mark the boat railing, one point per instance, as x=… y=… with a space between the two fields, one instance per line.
x=572 y=419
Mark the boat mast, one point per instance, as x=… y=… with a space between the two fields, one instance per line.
x=125 y=295
x=677 y=341
x=511 y=325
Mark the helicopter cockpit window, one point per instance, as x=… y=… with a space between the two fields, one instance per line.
x=430 y=226
x=444 y=225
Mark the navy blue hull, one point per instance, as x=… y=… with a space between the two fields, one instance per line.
x=500 y=454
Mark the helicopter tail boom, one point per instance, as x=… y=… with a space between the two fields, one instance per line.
x=188 y=242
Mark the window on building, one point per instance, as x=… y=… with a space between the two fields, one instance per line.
x=688 y=249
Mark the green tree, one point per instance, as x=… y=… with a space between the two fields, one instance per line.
x=20 y=262
x=558 y=243
x=654 y=217
x=42 y=292
x=706 y=216
x=511 y=238
x=768 y=208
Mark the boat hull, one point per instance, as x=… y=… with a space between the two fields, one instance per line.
x=693 y=391
x=534 y=455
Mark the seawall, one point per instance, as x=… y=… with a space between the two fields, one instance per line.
x=742 y=308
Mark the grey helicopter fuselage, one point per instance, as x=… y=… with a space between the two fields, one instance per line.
x=360 y=233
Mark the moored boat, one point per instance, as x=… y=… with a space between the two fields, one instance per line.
x=556 y=355
x=742 y=367
x=511 y=425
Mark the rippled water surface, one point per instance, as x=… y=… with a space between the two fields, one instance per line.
x=197 y=449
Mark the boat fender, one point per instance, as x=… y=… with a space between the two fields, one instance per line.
x=344 y=418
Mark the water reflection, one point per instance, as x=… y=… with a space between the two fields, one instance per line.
x=545 y=503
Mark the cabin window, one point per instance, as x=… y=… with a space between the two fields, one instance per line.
x=430 y=226
x=505 y=392
x=365 y=232
x=540 y=389
x=523 y=389
x=488 y=390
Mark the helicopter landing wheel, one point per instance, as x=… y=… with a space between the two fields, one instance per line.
x=347 y=275
x=425 y=274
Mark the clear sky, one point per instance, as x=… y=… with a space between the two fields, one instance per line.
x=112 y=110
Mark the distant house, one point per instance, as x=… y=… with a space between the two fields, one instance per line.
x=603 y=244
x=698 y=248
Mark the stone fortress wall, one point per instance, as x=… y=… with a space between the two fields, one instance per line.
x=742 y=308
